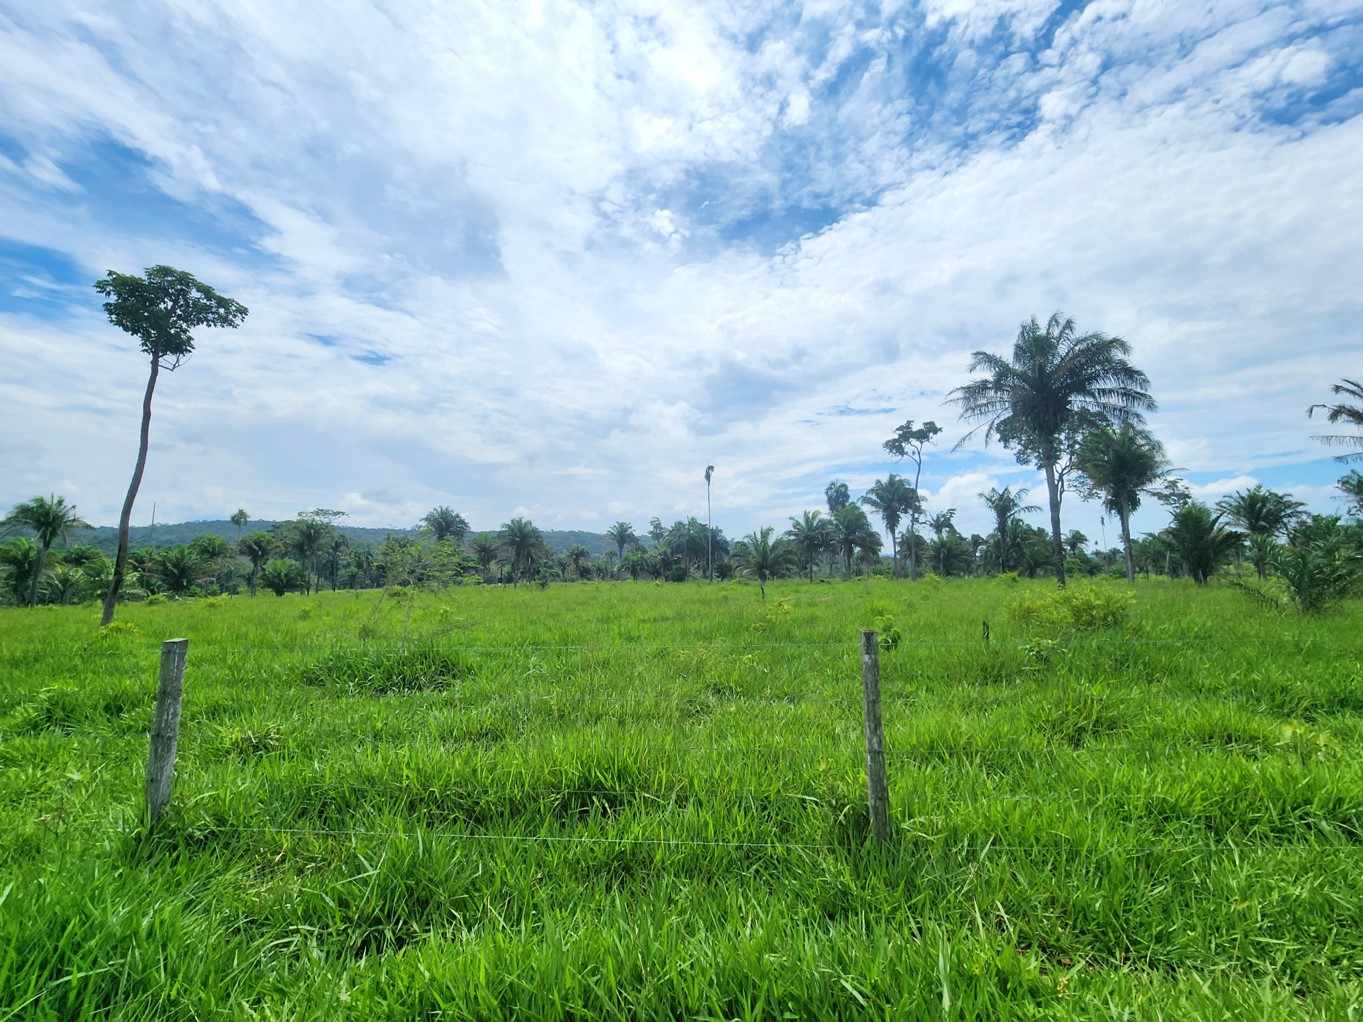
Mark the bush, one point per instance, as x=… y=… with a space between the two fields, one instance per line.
x=1319 y=566
x=1077 y=608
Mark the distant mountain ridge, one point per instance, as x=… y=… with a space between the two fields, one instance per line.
x=170 y=534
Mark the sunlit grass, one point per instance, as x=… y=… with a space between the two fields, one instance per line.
x=646 y=801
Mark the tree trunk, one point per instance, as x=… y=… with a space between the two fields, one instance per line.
x=894 y=555
x=38 y=563
x=1124 y=515
x=1057 y=544
x=125 y=516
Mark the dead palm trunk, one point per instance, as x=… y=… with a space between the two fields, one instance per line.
x=125 y=516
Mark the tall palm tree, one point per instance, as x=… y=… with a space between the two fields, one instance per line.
x=892 y=498
x=50 y=519
x=1348 y=412
x=812 y=534
x=1006 y=505
x=577 y=556
x=256 y=548
x=1120 y=465
x=485 y=550
x=522 y=542
x=709 y=528
x=180 y=569
x=19 y=559
x=763 y=555
x=239 y=519
x=1056 y=380
x=851 y=532
x=622 y=533
x=1263 y=515
x=1199 y=541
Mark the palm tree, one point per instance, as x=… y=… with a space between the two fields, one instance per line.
x=851 y=532
x=19 y=558
x=180 y=569
x=256 y=548
x=811 y=534
x=239 y=519
x=1075 y=541
x=1351 y=491
x=1006 y=505
x=940 y=524
x=1350 y=414
x=577 y=556
x=522 y=541
x=50 y=519
x=622 y=533
x=1056 y=381
x=1120 y=465
x=709 y=528
x=1263 y=515
x=892 y=498
x=763 y=555
x=1197 y=538
x=446 y=523
x=485 y=550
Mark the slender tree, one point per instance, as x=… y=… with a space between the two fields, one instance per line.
x=837 y=495
x=160 y=309
x=1118 y=466
x=239 y=519
x=709 y=528
x=577 y=556
x=257 y=548
x=523 y=543
x=908 y=442
x=942 y=523
x=50 y=519
x=1056 y=382
x=852 y=532
x=1264 y=516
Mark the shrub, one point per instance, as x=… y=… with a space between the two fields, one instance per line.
x=1077 y=608
x=1319 y=565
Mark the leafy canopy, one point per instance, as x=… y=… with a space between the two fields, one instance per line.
x=163 y=307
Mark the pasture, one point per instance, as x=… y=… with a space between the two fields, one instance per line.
x=628 y=800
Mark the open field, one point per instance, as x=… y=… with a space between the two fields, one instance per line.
x=637 y=801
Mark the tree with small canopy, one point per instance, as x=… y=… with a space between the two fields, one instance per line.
x=1119 y=466
x=941 y=524
x=49 y=519
x=1057 y=383
x=524 y=544
x=852 y=532
x=282 y=575
x=257 y=548
x=763 y=555
x=161 y=309
x=446 y=523
x=239 y=519
x=180 y=569
x=578 y=556
x=908 y=442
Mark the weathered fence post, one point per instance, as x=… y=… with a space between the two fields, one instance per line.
x=985 y=630
x=877 y=789
x=165 y=726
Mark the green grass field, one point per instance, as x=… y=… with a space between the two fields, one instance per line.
x=625 y=801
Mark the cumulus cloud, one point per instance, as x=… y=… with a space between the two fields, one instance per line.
x=606 y=246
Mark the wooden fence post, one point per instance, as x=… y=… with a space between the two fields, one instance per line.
x=165 y=727
x=985 y=631
x=877 y=789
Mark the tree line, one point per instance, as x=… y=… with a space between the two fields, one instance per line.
x=1069 y=404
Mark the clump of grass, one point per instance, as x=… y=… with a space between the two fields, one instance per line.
x=385 y=670
x=1076 y=608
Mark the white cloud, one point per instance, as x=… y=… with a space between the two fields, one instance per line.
x=538 y=221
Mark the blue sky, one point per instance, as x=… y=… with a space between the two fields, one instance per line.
x=553 y=258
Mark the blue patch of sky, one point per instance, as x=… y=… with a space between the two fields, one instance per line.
x=373 y=358
x=325 y=340
x=38 y=280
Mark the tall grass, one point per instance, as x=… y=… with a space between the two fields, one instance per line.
x=639 y=801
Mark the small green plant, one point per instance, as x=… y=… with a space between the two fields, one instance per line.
x=887 y=632
x=1077 y=608
x=155 y=600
